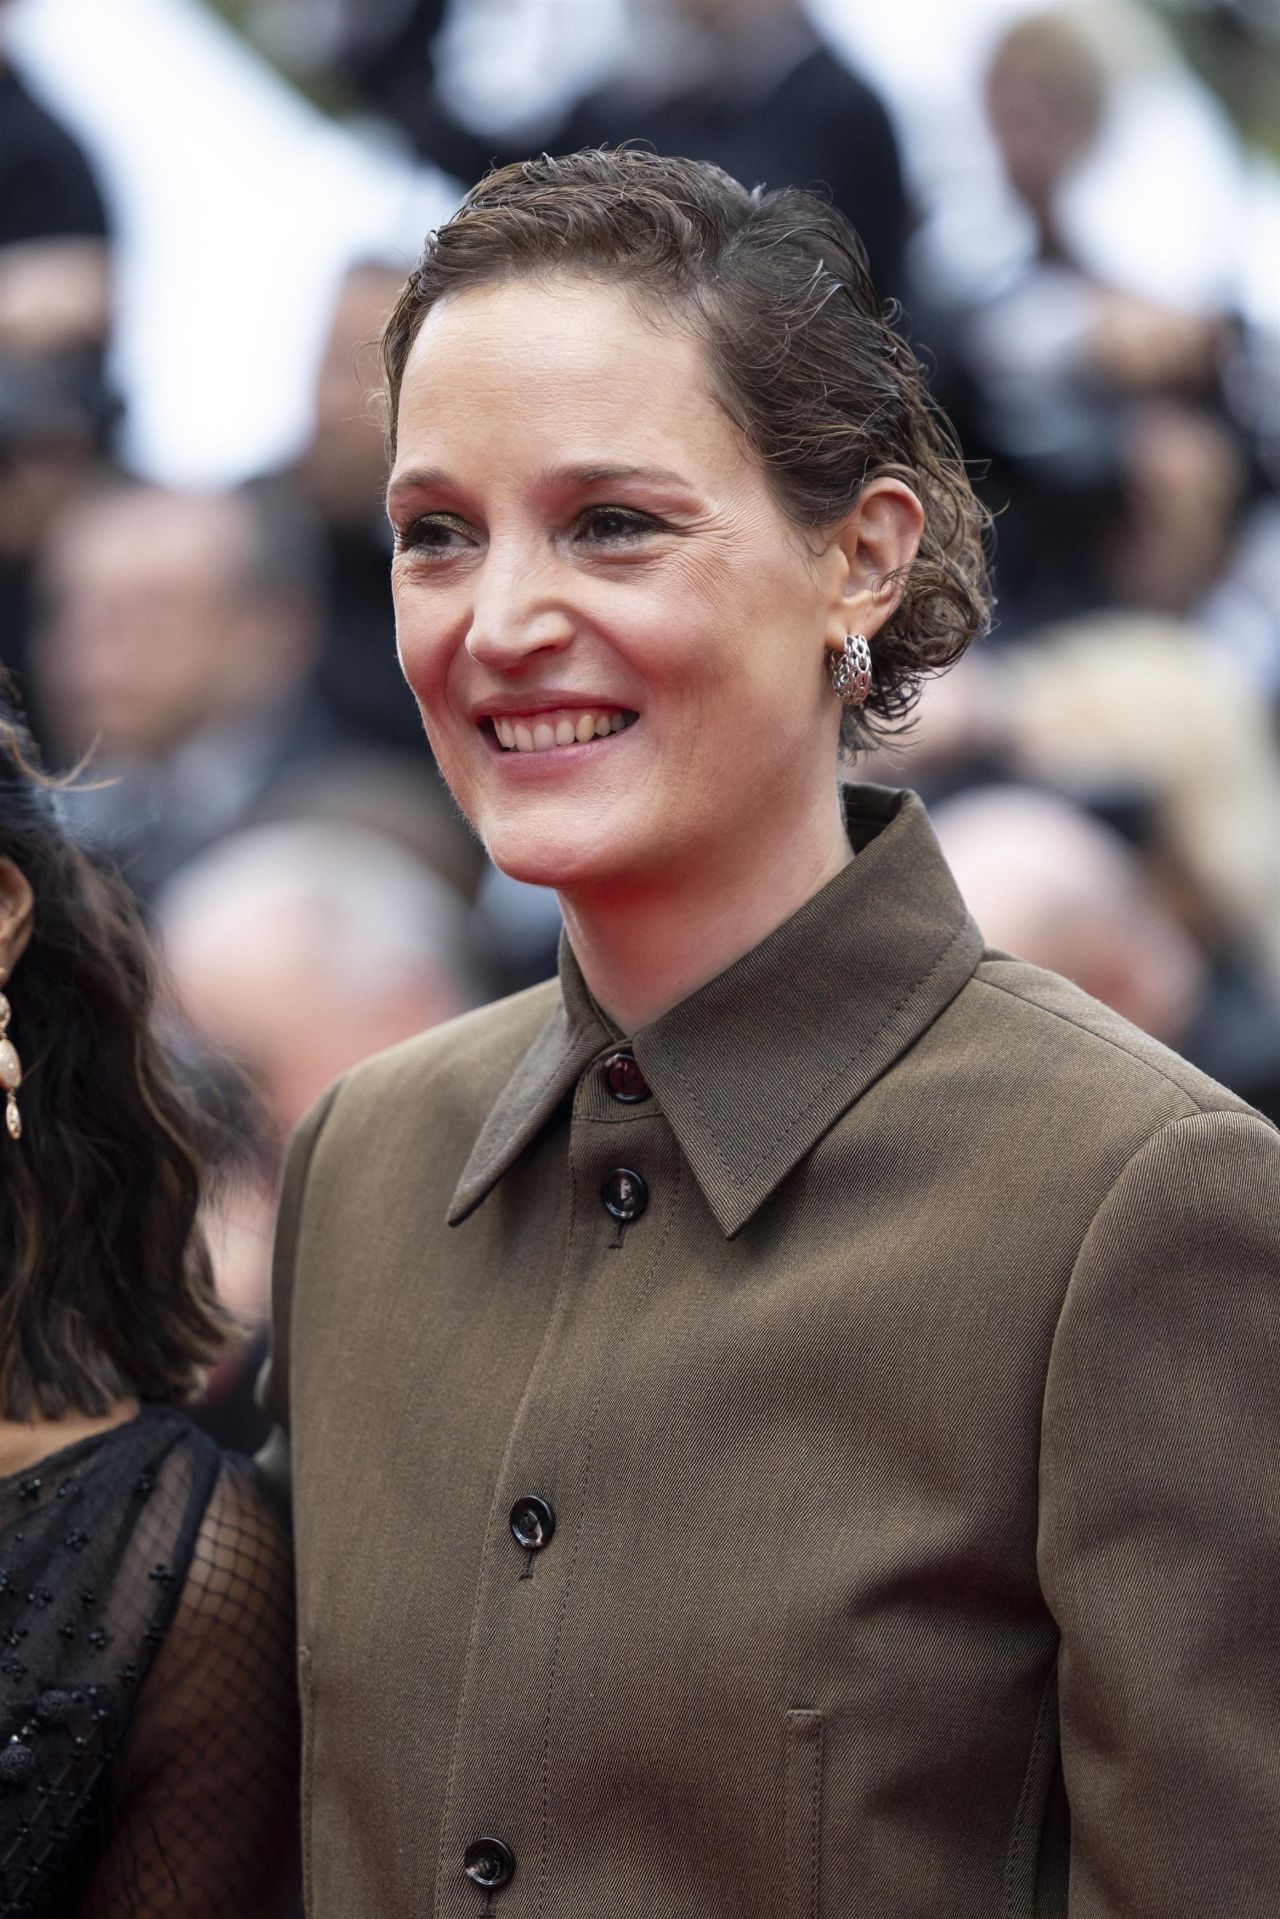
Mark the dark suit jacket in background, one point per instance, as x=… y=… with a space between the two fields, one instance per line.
x=913 y=1452
x=815 y=124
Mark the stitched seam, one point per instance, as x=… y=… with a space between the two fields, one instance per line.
x=798 y=1119
x=797 y=1751
x=815 y=1824
x=306 y=1688
x=1021 y=1833
x=486 y=1552
x=606 y=1375
x=1125 y=1052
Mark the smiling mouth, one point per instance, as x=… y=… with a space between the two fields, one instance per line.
x=543 y=732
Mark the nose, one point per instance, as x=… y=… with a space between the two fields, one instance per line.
x=516 y=612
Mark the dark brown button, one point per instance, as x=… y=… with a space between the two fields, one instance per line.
x=489 y=1862
x=624 y=1079
x=624 y=1194
x=532 y=1523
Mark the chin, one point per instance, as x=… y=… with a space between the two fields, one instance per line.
x=560 y=859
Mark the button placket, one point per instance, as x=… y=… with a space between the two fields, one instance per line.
x=608 y=1136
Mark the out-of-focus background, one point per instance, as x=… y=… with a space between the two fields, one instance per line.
x=206 y=209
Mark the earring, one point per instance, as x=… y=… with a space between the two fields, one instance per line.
x=850 y=670
x=10 y=1072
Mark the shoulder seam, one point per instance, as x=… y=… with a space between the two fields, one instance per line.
x=1125 y=1052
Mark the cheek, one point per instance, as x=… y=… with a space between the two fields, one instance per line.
x=423 y=643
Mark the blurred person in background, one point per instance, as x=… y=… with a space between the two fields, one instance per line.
x=1116 y=416
x=56 y=410
x=148 y=1739
x=342 y=473
x=295 y=951
x=1137 y=713
x=1058 y=887
x=1144 y=724
x=177 y=636
x=301 y=947
x=750 y=86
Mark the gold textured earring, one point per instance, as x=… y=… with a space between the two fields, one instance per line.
x=10 y=1072
x=850 y=670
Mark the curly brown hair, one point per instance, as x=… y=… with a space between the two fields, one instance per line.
x=802 y=356
x=105 y=1286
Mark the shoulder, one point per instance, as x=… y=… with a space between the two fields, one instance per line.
x=1090 y=1136
x=1094 y=1090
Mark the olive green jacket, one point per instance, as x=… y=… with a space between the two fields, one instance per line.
x=911 y=1448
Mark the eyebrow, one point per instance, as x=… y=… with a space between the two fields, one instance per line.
x=416 y=479
x=591 y=473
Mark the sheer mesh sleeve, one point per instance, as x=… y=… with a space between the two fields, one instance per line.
x=204 y=1822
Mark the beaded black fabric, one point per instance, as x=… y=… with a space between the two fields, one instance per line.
x=148 y=1722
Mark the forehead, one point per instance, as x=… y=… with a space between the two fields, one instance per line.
x=568 y=360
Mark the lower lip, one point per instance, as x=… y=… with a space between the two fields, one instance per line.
x=554 y=759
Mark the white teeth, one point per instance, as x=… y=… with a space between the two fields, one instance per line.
x=541 y=734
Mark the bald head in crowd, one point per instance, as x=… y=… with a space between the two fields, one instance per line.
x=167 y=613
x=299 y=949
x=1050 y=884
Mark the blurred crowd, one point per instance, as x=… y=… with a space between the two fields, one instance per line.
x=1077 y=212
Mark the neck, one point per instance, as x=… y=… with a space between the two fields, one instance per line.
x=644 y=945
x=24 y=1443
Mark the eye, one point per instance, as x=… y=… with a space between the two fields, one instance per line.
x=616 y=525
x=434 y=536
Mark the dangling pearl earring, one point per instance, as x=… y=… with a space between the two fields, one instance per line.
x=10 y=1071
x=850 y=670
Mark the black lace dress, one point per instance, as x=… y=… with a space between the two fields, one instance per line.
x=148 y=1731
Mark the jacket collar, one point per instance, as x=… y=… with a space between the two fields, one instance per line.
x=753 y=1068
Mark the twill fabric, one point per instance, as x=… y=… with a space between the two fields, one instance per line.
x=911 y=1448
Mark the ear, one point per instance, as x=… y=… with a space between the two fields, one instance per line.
x=17 y=915
x=871 y=544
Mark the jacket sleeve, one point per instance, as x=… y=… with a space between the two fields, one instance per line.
x=273 y=1385
x=1159 y=1543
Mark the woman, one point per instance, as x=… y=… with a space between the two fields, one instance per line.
x=784 y=1418
x=147 y=1704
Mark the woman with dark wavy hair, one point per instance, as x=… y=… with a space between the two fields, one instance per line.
x=784 y=1416
x=147 y=1703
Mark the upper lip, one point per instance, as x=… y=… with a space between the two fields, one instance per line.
x=516 y=706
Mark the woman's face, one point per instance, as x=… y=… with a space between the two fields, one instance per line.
x=615 y=637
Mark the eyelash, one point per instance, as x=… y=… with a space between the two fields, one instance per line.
x=636 y=526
